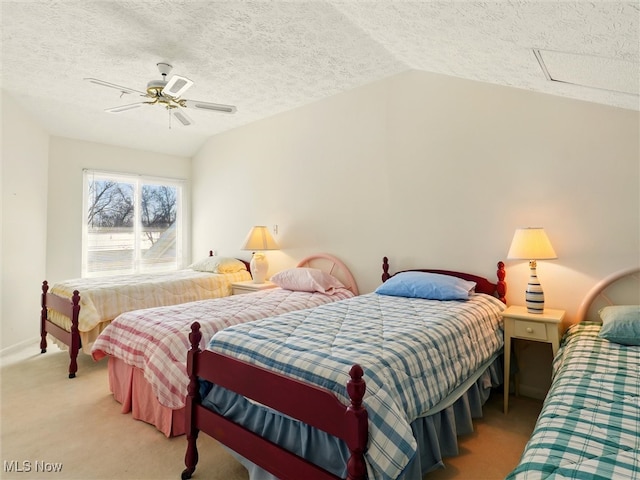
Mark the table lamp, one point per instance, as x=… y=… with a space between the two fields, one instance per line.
x=532 y=243
x=258 y=240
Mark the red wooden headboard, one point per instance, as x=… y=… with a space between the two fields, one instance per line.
x=483 y=285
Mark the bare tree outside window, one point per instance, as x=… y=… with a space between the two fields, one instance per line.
x=131 y=225
x=111 y=204
x=158 y=208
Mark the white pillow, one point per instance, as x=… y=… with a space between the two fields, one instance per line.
x=307 y=280
x=218 y=265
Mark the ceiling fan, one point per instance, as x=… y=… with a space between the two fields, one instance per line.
x=166 y=93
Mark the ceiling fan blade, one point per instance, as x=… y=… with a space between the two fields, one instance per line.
x=176 y=86
x=216 y=107
x=124 y=108
x=182 y=117
x=113 y=85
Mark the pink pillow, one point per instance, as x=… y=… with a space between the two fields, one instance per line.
x=307 y=280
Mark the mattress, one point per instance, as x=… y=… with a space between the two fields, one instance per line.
x=414 y=352
x=589 y=427
x=156 y=340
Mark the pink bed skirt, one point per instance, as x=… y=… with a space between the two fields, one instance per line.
x=130 y=388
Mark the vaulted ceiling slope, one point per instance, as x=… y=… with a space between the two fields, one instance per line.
x=266 y=57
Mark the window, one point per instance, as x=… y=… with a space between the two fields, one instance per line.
x=133 y=224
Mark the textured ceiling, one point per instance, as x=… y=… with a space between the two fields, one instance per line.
x=270 y=56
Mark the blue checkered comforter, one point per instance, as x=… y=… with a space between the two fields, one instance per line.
x=589 y=427
x=413 y=351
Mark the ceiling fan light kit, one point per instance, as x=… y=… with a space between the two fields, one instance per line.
x=166 y=93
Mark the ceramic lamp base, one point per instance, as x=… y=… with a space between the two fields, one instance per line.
x=534 y=296
x=259 y=267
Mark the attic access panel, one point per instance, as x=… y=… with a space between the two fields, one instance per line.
x=590 y=71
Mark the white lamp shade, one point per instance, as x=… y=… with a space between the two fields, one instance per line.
x=259 y=239
x=531 y=243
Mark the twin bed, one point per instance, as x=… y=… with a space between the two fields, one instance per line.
x=75 y=312
x=310 y=426
x=274 y=391
x=589 y=427
x=147 y=349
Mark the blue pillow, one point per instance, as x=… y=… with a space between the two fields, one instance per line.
x=621 y=324
x=432 y=286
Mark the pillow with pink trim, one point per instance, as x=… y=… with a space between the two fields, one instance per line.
x=303 y=279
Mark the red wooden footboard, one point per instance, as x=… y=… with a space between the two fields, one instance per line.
x=289 y=396
x=69 y=308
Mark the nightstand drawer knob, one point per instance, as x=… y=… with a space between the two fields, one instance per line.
x=529 y=330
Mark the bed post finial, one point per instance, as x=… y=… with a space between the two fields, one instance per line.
x=195 y=336
x=501 y=286
x=356 y=388
x=385 y=269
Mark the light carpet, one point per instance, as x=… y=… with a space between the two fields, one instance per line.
x=49 y=422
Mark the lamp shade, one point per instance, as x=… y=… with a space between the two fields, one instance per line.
x=531 y=243
x=259 y=239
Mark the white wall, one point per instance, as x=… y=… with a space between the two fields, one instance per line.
x=299 y=170
x=67 y=159
x=24 y=223
x=433 y=171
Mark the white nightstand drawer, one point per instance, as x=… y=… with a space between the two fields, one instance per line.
x=533 y=330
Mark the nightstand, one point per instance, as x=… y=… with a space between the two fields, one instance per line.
x=538 y=327
x=248 y=286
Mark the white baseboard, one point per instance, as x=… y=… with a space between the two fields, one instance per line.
x=19 y=346
x=532 y=392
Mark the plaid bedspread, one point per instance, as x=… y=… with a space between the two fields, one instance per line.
x=589 y=427
x=103 y=299
x=413 y=351
x=156 y=340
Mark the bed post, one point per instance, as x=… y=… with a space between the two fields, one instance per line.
x=191 y=456
x=43 y=318
x=74 y=348
x=501 y=286
x=359 y=433
x=385 y=269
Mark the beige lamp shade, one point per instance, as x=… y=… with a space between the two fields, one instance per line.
x=259 y=239
x=531 y=243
